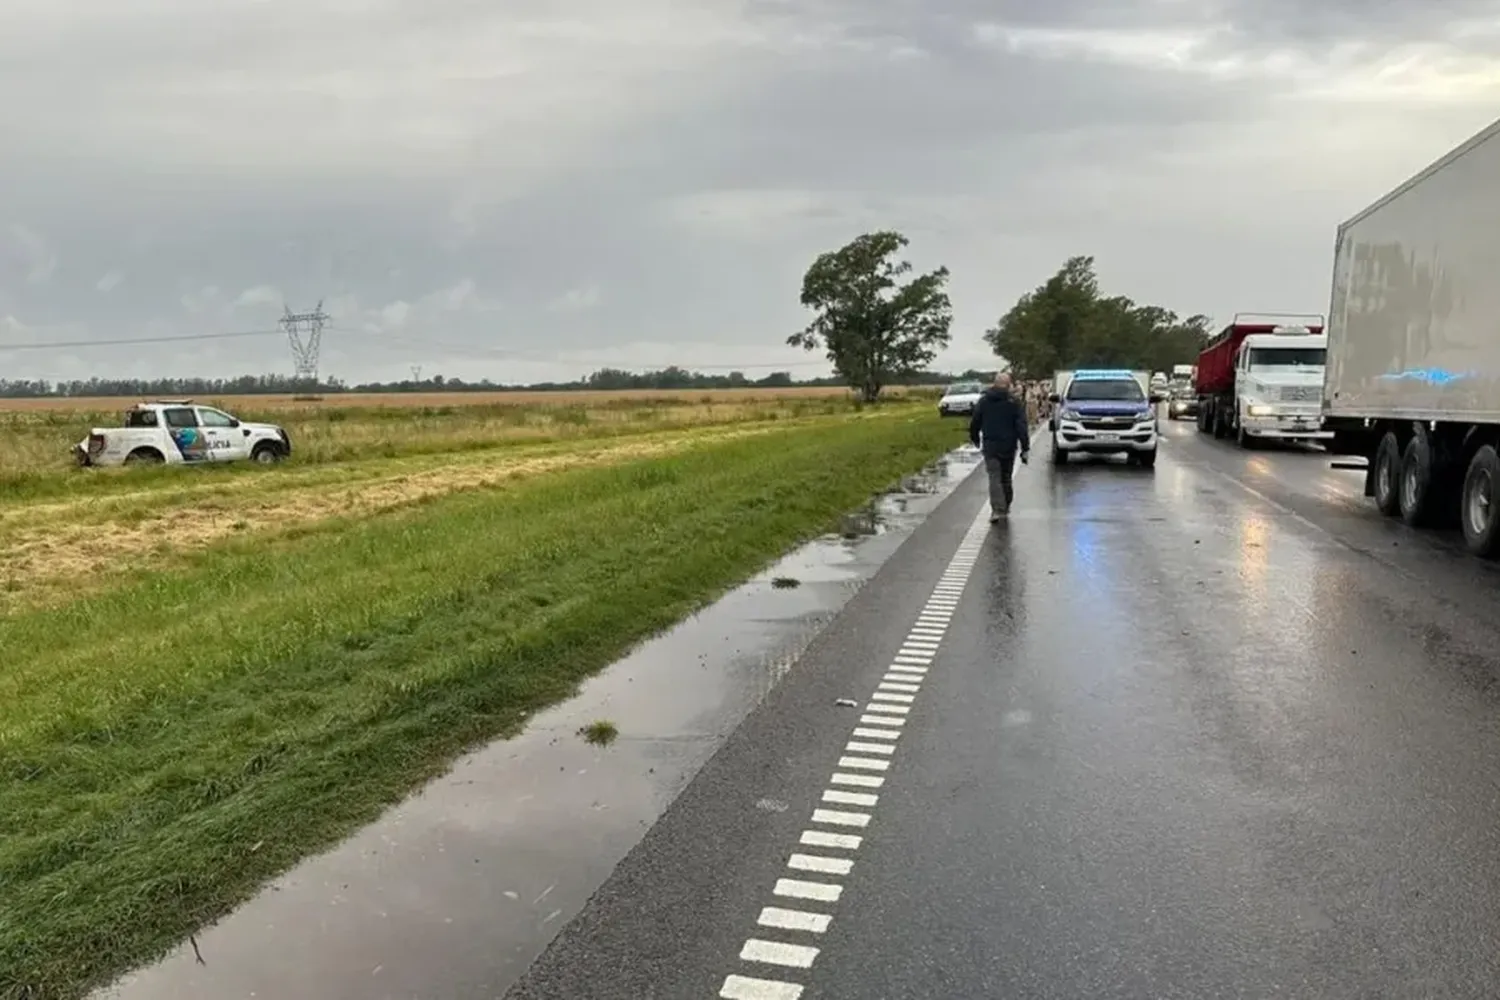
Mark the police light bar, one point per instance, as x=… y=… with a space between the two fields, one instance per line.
x=1103 y=373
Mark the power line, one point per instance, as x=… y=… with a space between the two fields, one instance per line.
x=178 y=339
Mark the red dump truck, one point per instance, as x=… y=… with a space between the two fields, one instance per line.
x=1262 y=377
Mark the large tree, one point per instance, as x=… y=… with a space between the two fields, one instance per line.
x=873 y=328
x=1066 y=323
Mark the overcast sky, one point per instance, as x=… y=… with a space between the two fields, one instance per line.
x=524 y=189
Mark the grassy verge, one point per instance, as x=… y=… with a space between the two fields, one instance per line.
x=35 y=460
x=168 y=746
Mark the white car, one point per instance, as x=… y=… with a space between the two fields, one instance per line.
x=1104 y=412
x=175 y=432
x=960 y=399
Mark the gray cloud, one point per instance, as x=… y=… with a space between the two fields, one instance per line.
x=514 y=191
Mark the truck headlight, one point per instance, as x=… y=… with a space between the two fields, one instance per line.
x=1070 y=415
x=1261 y=410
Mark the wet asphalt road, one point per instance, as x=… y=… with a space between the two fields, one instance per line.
x=1214 y=731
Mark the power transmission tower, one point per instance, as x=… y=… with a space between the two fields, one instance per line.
x=304 y=331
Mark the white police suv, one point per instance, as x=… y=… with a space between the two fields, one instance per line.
x=1104 y=412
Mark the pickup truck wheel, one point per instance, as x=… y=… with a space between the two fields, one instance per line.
x=1059 y=457
x=1146 y=459
x=144 y=456
x=1387 y=472
x=1481 y=517
x=266 y=453
x=1418 y=498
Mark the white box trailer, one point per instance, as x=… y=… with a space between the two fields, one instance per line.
x=1413 y=373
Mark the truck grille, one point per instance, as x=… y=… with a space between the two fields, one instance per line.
x=1108 y=423
x=1301 y=394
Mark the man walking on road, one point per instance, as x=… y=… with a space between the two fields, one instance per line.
x=999 y=421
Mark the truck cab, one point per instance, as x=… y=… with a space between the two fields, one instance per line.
x=1104 y=412
x=1278 y=386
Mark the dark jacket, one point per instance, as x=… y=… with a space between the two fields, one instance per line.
x=1000 y=420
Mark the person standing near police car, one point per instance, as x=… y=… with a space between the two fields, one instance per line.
x=998 y=428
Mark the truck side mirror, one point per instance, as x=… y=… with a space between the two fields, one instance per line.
x=1157 y=397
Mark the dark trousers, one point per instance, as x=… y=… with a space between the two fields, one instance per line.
x=1002 y=490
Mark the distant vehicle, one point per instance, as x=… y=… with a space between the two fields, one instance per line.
x=1182 y=402
x=1262 y=377
x=1104 y=412
x=960 y=399
x=1413 y=380
x=177 y=431
x=1159 y=382
x=1183 y=372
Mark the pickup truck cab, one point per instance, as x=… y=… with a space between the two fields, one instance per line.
x=179 y=431
x=1104 y=412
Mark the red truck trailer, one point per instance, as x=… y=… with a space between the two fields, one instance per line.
x=1215 y=383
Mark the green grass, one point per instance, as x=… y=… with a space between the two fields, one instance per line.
x=168 y=746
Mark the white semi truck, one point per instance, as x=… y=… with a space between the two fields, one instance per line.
x=1413 y=375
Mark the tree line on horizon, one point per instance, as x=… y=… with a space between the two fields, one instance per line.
x=878 y=327
x=605 y=379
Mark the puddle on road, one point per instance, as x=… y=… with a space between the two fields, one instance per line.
x=457 y=890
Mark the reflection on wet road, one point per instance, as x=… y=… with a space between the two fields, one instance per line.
x=1253 y=761
x=1192 y=734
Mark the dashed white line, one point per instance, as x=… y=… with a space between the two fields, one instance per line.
x=796 y=956
x=838 y=841
x=871 y=748
x=794 y=888
x=747 y=988
x=856 y=780
x=794 y=920
x=822 y=865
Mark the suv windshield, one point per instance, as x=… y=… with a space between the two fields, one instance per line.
x=965 y=389
x=1113 y=390
x=1287 y=357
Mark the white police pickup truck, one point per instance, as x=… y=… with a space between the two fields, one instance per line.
x=177 y=431
x=1104 y=412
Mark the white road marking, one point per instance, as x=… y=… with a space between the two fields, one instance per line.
x=856 y=780
x=881 y=720
x=793 y=888
x=793 y=956
x=837 y=817
x=822 y=865
x=836 y=841
x=864 y=764
x=794 y=920
x=746 y=988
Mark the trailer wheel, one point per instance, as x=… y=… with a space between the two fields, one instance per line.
x=1221 y=423
x=1419 y=496
x=1387 y=473
x=1201 y=417
x=1480 y=521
